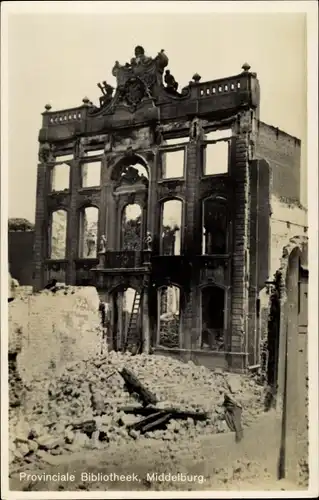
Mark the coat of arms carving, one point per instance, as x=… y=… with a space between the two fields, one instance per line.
x=134 y=91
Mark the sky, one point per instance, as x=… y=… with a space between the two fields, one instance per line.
x=60 y=58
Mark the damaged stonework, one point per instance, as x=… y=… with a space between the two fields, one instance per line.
x=66 y=322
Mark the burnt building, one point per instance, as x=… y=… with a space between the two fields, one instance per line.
x=161 y=199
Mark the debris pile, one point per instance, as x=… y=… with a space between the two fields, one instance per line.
x=66 y=320
x=119 y=397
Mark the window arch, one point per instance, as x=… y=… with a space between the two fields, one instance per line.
x=60 y=177
x=214 y=226
x=171 y=227
x=169 y=316
x=213 y=317
x=130 y=171
x=89 y=217
x=57 y=234
x=131 y=227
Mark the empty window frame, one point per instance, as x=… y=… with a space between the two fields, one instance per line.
x=60 y=177
x=89 y=217
x=169 y=316
x=57 y=235
x=131 y=226
x=216 y=154
x=215 y=226
x=91 y=174
x=173 y=164
x=213 y=306
x=171 y=226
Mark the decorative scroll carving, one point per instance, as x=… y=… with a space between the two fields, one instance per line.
x=89 y=199
x=58 y=200
x=46 y=153
x=171 y=188
x=135 y=80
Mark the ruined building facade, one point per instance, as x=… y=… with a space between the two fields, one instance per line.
x=162 y=200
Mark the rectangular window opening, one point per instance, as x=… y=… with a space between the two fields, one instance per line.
x=173 y=164
x=91 y=174
x=216 y=158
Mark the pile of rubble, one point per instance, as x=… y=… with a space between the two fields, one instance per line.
x=93 y=404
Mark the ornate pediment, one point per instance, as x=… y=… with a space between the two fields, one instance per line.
x=141 y=68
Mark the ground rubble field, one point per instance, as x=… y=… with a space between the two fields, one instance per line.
x=94 y=391
x=63 y=422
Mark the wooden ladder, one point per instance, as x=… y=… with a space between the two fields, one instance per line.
x=132 y=333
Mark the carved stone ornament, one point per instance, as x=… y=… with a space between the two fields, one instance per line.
x=196 y=130
x=136 y=79
x=46 y=152
x=103 y=244
x=134 y=91
x=244 y=122
x=148 y=241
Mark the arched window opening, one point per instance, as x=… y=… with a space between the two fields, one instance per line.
x=91 y=174
x=169 y=316
x=171 y=225
x=88 y=232
x=60 y=177
x=129 y=174
x=132 y=227
x=216 y=157
x=214 y=227
x=213 y=318
x=173 y=164
x=58 y=228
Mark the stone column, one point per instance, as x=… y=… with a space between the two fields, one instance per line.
x=191 y=244
x=103 y=226
x=152 y=201
x=241 y=239
x=146 y=322
x=41 y=226
x=253 y=277
x=73 y=222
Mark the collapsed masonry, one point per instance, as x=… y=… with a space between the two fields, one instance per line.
x=75 y=396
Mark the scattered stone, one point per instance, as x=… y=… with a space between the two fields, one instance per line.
x=234 y=382
x=80 y=440
x=49 y=442
x=47 y=457
x=23 y=448
x=33 y=446
x=134 y=434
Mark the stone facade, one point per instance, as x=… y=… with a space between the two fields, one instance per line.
x=218 y=251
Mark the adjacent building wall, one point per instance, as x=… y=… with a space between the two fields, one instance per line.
x=20 y=249
x=287 y=221
x=282 y=151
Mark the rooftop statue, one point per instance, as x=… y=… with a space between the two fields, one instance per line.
x=140 y=66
